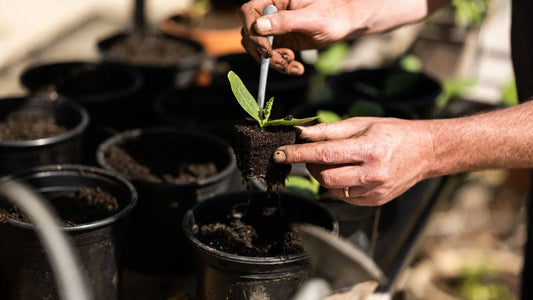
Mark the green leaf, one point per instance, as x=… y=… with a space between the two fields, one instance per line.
x=243 y=96
x=328 y=116
x=302 y=186
x=411 y=63
x=330 y=60
x=290 y=122
x=268 y=108
x=509 y=94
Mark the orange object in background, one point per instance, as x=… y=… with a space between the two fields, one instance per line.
x=217 y=41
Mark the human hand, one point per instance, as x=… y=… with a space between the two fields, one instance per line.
x=298 y=25
x=378 y=159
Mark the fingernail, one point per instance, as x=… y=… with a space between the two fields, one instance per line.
x=280 y=156
x=265 y=52
x=294 y=71
x=279 y=67
x=263 y=26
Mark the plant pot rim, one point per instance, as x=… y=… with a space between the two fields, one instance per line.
x=248 y=260
x=136 y=77
x=134 y=133
x=186 y=62
x=70 y=133
x=43 y=171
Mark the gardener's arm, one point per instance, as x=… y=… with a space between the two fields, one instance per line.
x=380 y=158
x=315 y=24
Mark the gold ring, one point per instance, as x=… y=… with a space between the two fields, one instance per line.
x=347 y=192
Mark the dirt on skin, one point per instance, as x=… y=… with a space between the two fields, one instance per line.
x=150 y=49
x=155 y=160
x=254 y=147
x=267 y=234
x=22 y=126
x=83 y=206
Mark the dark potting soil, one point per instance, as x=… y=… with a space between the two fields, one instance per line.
x=73 y=208
x=150 y=49
x=267 y=234
x=21 y=126
x=150 y=160
x=254 y=147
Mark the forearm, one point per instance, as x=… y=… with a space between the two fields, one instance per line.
x=495 y=140
x=378 y=16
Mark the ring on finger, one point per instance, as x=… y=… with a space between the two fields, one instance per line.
x=346 y=192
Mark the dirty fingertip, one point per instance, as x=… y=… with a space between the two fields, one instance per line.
x=262 y=26
x=280 y=156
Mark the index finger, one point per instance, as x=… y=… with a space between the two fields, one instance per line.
x=343 y=151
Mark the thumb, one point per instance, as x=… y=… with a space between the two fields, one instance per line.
x=282 y=22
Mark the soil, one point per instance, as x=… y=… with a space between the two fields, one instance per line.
x=155 y=159
x=254 y=147
x=150 y=49
x=267 y=234
x=79 y=207
x=21 y=126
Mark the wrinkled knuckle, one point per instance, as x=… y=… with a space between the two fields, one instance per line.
x=325 y=155
x=381 y=176
x=327 y=180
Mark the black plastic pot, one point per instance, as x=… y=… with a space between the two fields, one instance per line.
x=109 y=92
x=157 y=75
x=156 y=243
x=99 y=244
x=288 y=91
x=204 y=108
x=228 y=276
x=391 y=87
x=63 y=148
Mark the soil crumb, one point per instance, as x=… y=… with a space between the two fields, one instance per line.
x=83 y=206
x=21 y=126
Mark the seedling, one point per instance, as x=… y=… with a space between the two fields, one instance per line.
x=248 y=103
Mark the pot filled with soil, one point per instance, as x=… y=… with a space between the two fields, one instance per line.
x=164 y=60
x=38 y=130
x=204 y=108
x=245 y=245
x=92 y=204
x=391 y=87
x=172 y=169
x=108 y=91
